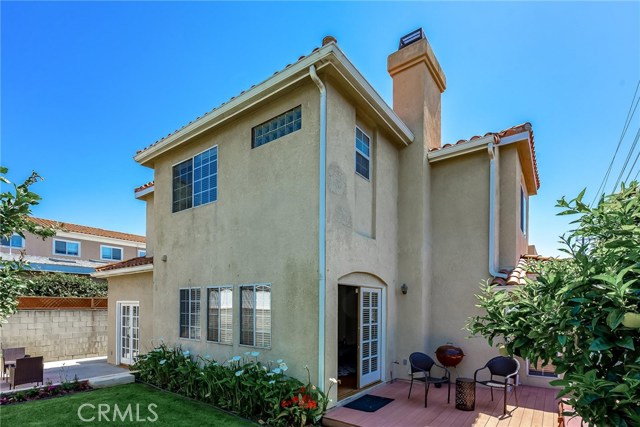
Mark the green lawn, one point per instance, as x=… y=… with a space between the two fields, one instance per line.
x=171 y=410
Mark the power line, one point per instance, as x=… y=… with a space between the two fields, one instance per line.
x=630 y=113
x=633 y=166
x=626 y=161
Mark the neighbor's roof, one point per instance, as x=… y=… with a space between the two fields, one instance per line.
x=54 y=264
x=328 y=54
x=521 y=271
x=133 y=262
x=497 y=137
x=75 y=228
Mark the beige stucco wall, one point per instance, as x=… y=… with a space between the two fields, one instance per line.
x=513 y=242
x=460 y=209
x=151 y=224
x=131 y=288
x=352 y=202
x=461 y=239
x=262 y=229
x=89 y=248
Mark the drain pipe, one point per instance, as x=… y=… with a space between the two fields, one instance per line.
x=322 y=214
x=493 y=245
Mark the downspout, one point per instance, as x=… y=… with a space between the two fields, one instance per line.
x=493 y=245
x=322 y=214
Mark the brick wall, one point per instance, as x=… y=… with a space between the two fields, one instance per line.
x=57 y=334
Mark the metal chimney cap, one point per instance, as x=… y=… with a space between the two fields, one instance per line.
x=410 y=38
x=329 y=39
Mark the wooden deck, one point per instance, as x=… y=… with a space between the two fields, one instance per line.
x=537 y=407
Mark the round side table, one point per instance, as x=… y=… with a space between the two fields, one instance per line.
x=465 y=394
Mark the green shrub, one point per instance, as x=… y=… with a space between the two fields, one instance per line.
x=581 y=313
x=243 y=385
x=62 y=285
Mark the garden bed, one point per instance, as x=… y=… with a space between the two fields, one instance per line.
x=44 y=392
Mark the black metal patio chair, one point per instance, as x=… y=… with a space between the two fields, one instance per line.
x=422 y=364
x=501 y=366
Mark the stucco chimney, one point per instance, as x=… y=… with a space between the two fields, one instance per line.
x=418 y=82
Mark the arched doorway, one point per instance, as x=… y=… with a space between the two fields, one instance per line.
x=361 y=315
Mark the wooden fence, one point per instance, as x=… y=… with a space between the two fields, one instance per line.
x=62 y=303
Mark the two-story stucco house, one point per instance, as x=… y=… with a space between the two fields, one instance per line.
x=75 y=249
x=309 y=220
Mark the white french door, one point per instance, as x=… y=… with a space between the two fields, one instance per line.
x=128 y=332
x=370 y=330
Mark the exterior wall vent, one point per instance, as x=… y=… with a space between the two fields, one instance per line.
x=410 y=38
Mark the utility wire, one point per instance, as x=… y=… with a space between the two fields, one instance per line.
x=626 y=161
x=603 y=184
x=633 y=166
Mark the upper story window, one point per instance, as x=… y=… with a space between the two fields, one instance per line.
x=363 y=154
x=14 y=242
x=190 y=313
x=255 y=313
x=277 y=127
x=523 y=211
x=142 y=252
x=110 y=253
x=195 y=181
x=220 y=314
x=65 y=247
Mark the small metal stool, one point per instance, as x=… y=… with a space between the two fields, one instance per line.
x=465 y=394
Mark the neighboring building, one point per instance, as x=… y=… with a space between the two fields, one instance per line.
x=309 y=220
x=74 y=249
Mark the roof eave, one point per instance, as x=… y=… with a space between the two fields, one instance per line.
x=330 y=54
x=123 y=271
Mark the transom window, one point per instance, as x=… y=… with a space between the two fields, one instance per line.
x=111 y=253
x=63 y=247
x=195 y=181
x=363 y=154
x=277 y=127
x=142 y=252
x=15 y=241
x=220 y=314
x=255 y=313
x=190 y=313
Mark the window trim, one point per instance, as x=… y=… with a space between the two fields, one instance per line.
x=524 y=211
x=142 y=250
x=53 y=247
x=220 y=287
x=22 y=239
x=199 y=313
x=254 y=285
x=193 y=180
x=112 y=247
x=529 y=374
x=356 y=151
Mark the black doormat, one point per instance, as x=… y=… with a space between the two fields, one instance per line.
x=368 y=403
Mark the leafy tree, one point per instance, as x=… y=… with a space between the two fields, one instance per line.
x=15 y=208
x=582 y=313
x=62 y=285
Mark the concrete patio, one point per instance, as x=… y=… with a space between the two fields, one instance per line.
x=67 y=370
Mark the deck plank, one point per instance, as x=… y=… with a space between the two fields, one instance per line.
x=537 y=408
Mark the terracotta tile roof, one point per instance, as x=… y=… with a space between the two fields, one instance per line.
x=225 y=103
x=144 y=186
x=133 y=262
x=497 y=136
x=519 y=273
x=75 y=228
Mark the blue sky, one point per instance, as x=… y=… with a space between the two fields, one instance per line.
x=84 y=84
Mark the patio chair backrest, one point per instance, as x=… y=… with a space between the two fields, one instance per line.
x=420 y=362
x=503 y=366
x=13 y=353
x=29 y=370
